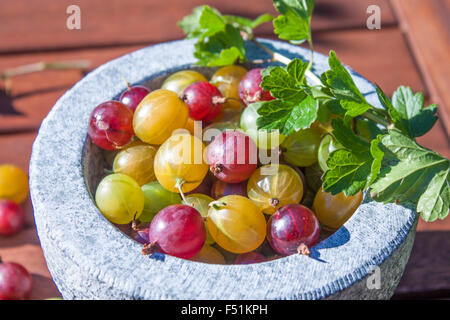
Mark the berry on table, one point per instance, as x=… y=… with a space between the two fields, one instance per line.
x=13 y=183
x=12 y=217
x=15 y=281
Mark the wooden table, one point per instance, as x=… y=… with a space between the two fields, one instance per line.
x=411 y=48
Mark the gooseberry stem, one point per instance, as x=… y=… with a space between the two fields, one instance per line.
x=179 y=186
x=126 y=82
x=216 y=100
x=274 y=202
x=217 y=204
x=303 y=249
x=149 y=248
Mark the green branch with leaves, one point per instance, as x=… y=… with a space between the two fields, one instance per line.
x=386 y=160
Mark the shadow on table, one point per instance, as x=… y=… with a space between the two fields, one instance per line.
x=6 y=105
x=43 y=288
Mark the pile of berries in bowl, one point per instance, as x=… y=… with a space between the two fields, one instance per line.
x=192 y=176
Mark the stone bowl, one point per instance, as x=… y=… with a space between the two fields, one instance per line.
x=90 y=258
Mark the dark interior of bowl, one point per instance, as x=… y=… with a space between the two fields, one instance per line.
x=97 y=163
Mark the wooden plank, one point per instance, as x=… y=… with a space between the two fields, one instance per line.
x=427 y=274
x=427 y=26
x=37 y=25
x=16 y=149
x=382 y=56
x=24 y=248
x=33 y=95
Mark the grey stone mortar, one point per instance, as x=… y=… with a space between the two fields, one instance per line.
x=89 y=258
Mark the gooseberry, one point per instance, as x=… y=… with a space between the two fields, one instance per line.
x=180 y=80
x=132 y=96
x=273 y=186
x=12 y=217
x=334 y=210
x=179 y=164
x=293 y=228
x=158 y=115
x=232 y=156
x=236 y=224
x=250 y=90
x=15 y=281
x=13 y=183
x=119 y=198
x=227 y=80
x=177 y=230
x=111 y=125
x=203 y=100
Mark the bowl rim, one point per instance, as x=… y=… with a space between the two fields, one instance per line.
x=64 y=210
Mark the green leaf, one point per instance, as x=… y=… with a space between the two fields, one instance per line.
x=296 y=69
x=211 y=22
x=203 y=22
x=367 y=128
x=347 y=172
x=223 y=48
x=354 y=108
x=261 y=19
x=287 y=116
x=414 y=174
x=294 y=22
x=377 y=155
x=345 y=136
x=245 y=23
x=354 y=167
x=191 y=24
x=219 y=42
x=294 y=108
x=407 y=111
x=340 y=83
x=285 y=83
x=434 y=203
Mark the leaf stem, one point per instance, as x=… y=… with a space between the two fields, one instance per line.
x=376 y=118
x=41 y=66
x=7 y=74
x=285 y=60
